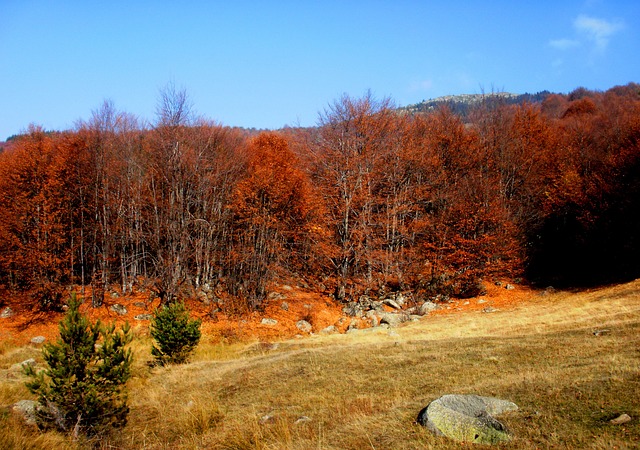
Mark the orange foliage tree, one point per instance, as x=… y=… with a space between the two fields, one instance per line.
x=272 y=208
x=40 y=214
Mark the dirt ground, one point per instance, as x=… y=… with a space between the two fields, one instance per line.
x=287 y=306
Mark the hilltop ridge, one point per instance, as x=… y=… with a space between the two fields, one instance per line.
x=462 y=104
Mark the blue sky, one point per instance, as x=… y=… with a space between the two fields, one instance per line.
x=266 y=64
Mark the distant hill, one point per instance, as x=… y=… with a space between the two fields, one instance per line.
x=463 y=104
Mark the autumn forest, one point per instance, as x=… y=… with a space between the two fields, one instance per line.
x=371 y=200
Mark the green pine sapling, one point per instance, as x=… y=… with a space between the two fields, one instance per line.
x=83 y=389
x=176 y=335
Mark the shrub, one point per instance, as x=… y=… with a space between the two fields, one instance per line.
x=176 y=335
x=83 y=389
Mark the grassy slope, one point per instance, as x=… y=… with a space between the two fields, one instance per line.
x=364 y=390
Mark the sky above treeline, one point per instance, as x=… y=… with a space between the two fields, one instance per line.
x=268 y=64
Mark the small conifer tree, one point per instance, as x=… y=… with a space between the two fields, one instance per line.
x=83 y=389
x=176 y=335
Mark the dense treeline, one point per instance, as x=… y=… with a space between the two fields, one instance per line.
x=370 y=200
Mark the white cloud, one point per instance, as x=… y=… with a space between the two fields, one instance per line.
x=564 y=44
x=599 y=31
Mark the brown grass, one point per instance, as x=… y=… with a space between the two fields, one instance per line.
x=363 y=390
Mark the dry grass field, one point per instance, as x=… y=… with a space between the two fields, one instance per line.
x=363 y=390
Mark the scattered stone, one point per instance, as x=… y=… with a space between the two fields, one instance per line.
x=118 y=309
x=414 y=317
x=373 y=318
x=28 y=362
x=393 y=319
x=377 y=306
x=548 y=291
x=352 y=310
x=286 y=287
x=600 y=332
x=467 y=418
x=621 y=419
x=115 y=295
x=426 y=308
x=19 y=367
x=284 y=306
x=482 y=300
x=38 y=339
x=498 y=283
x=6 y=313
x=267 y=321
x=509 y=287
x=302 y=419
x=304 y=326
x=331 y=329
x=489 y=309
x=391 y=302
x=140 y=305
x=27 y=410
x=267 y=418
x=143 y=317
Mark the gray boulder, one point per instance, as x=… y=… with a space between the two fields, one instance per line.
x=304 y=326
x=26 y=363
x=426 y=308
x=38 y=339
x=6 y=313
x=119 y=309
x=331 y=329
x=143 y=317
x=393 y=319
x=267 y=321
x=391 y=302
x=27 y=410
x=467 y=418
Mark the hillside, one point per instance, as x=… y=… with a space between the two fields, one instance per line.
x=463 y=104
x=568 y=359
